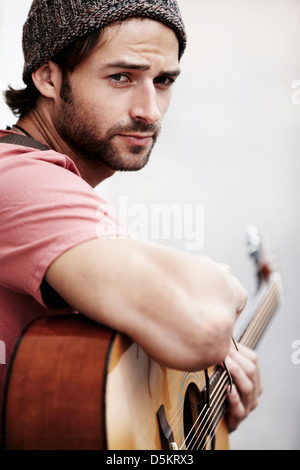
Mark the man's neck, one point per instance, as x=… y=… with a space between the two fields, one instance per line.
x=42 y=130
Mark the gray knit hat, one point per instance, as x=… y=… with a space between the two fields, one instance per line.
x=53 y=24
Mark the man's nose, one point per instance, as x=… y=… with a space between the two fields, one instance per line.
x=145 y=104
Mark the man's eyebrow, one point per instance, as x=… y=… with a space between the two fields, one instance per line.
x=141 y=67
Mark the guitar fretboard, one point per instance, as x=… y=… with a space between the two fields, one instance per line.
x=248 y=331
x=251 y=325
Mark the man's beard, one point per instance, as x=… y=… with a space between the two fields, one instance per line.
x=76 y=126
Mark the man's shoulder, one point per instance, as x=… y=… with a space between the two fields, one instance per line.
x=17 y=153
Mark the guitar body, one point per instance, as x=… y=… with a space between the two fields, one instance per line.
x=76 y=385
x=55 y=394
x=137 y=387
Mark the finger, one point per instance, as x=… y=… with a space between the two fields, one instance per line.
x=244 y=370
x=247 y=359
x=237 y=411
x=243 y=383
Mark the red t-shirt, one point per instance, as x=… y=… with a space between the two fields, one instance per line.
x=45 y=209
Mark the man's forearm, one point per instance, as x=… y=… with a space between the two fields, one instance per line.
x=179 y=308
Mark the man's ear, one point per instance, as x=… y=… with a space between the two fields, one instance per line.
x=48 y=79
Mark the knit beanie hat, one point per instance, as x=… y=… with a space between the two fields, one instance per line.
x=53 y=24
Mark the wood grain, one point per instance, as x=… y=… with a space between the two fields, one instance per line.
x=55 y=397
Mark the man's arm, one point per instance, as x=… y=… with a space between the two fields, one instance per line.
x=180 y=308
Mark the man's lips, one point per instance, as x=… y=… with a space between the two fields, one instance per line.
x=137 y=139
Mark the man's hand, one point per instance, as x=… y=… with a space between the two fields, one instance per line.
x=244 y=369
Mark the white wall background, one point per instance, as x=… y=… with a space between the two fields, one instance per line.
x=231 y=142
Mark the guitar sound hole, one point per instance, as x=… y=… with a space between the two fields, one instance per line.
x=194 y=421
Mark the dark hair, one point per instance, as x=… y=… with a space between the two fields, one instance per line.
x=22 y=101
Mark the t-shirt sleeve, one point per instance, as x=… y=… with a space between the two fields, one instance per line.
x=45 y=209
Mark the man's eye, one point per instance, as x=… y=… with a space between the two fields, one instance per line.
x=119 y=78
x=164 y=81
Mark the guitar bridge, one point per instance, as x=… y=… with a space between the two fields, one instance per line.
x=166 y=433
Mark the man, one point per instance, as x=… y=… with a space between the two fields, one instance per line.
x=99 y=76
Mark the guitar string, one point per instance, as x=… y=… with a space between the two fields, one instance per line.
x=276 y=300
x=210 y=437
x=191 y=430
x=218 y=388
x=258 y=326
x=252 y=339
x=215 y=409
x=267 y=312
x=210 y=413
x=177 y=425
x=177 y=419
x=201 y=434
x=207 y=410
x=247 y=328
x=265 y=307
x=212 y=424
x=204 y=411
x=259 y=322
x=264 y=292
x=223 y=397
x=243 y=325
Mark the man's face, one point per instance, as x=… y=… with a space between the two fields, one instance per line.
x=117 y=97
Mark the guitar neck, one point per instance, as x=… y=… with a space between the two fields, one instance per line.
x=251 y=325
x=248 y=331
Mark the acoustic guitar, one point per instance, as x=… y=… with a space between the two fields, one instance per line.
x=75 y=384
